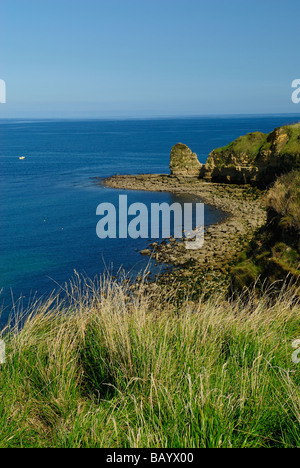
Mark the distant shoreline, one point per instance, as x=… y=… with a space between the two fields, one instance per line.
x=120 y=118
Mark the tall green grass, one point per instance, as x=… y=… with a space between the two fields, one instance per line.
x=109 y=368
x=284 y=199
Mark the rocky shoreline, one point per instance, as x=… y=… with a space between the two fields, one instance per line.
x=244 y=211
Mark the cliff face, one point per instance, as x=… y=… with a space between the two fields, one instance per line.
x=183 y=162
x=256 y=158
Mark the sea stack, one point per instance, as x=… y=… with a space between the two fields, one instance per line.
x=183 y=162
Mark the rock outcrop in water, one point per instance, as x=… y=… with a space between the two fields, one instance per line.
x=183 y=162
x=256 y=158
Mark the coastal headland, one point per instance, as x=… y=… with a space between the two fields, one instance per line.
x=234 y=180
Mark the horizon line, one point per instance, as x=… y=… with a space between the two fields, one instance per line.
x=152 y=117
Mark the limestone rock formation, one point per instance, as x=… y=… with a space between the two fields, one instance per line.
x=256 y=158
x=183 y=162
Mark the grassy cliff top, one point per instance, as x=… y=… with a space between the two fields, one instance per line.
x=250 y=144
x=255 y=148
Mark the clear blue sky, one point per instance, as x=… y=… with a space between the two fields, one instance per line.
x=108 y=58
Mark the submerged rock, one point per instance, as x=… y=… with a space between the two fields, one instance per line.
x=145 y=252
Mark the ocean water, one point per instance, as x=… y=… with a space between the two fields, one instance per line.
x=48 y=201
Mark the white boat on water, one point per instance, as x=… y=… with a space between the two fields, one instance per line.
x=22 y=157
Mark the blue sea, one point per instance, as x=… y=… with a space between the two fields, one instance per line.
x=48 y=201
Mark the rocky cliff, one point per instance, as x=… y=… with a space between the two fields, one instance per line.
x=256 y=158
x=183 y=162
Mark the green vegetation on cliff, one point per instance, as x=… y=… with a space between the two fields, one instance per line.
x=256 y=158
x=244 y=150
x=274 y=253
x=283 y=200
